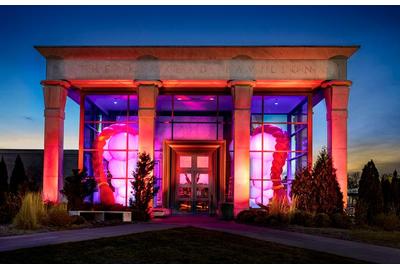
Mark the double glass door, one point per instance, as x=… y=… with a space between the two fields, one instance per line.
x=194 y=173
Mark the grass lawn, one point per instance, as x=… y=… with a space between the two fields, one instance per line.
x=371 y=236
x=181 y=245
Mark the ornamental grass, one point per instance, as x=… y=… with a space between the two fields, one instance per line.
x=31 y=213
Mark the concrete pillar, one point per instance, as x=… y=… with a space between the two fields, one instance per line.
x=336 y=98
x=242 y=92
x=55 y=95
x=147 y=97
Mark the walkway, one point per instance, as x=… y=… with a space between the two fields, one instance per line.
x=51 y=238
x=356 y=250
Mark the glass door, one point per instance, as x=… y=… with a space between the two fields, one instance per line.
x=193 y=183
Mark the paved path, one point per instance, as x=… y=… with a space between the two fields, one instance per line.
x=351 y=249
x=51 y=238
x=356 y=250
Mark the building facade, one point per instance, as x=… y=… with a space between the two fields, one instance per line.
x=223 y=124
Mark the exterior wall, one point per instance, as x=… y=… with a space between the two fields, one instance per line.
x=77 y=69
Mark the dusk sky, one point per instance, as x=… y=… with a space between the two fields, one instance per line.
x=374 y=109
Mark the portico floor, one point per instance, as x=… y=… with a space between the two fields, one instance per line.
x=356 y=250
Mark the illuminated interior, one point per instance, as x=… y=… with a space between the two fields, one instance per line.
x=278 y=144
x=111 y=142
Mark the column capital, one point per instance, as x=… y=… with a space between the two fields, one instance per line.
x=47 y=83
x=55 y=97
x=148 y=83
x=331 y=83
x=233 y=83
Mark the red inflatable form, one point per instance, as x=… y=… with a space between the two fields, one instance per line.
x=279 y=157
x=106 y=193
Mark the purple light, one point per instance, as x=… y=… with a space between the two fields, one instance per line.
x=121 y=163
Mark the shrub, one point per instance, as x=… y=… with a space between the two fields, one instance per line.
x=379 y=219
x=391 y=222
x=144 y=188
x=340 y=220
x=227 y=211
x=78 y=187
x=9 y=208
x=30 y=214
x=249 y=216
x=322 y=220
x=302 y=218
x=57 y=216
x=78 y=220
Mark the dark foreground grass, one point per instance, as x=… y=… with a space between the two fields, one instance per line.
x=370 y=236
x=182 y=245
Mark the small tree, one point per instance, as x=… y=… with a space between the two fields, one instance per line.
x=395 y=187
x=318 y=191
x=3 y=180
x=18 y=176
x=328 y=195
x=144 y=188
x=302 y=189
x=370 y=201
x=77 y=188
x=387 y=194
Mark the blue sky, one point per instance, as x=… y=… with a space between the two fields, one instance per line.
x=374 y=109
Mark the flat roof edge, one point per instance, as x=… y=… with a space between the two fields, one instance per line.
x=193 y=52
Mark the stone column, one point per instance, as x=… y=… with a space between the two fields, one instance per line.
x=55 y=95
x=336 y=98
x=242 y=92
x=147 y=96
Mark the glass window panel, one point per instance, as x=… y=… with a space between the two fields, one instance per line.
x=256 y=104
x=184 y=192
x=225 y=103
x=255 y=165
x=195 y=131
x=185 y=161
x=203 y=179
x=184 y=179
x=164 y=104
x=202 y=192
x=133 y=105
x=282 y=104
x=255 y=193
x=202 y=162
x=105 y=107
x=162 y=132
x=271 y=118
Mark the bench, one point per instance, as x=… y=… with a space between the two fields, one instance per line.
x=101 y=215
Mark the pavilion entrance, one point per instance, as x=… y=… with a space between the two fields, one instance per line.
x=196 y=179
x=194 y=185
